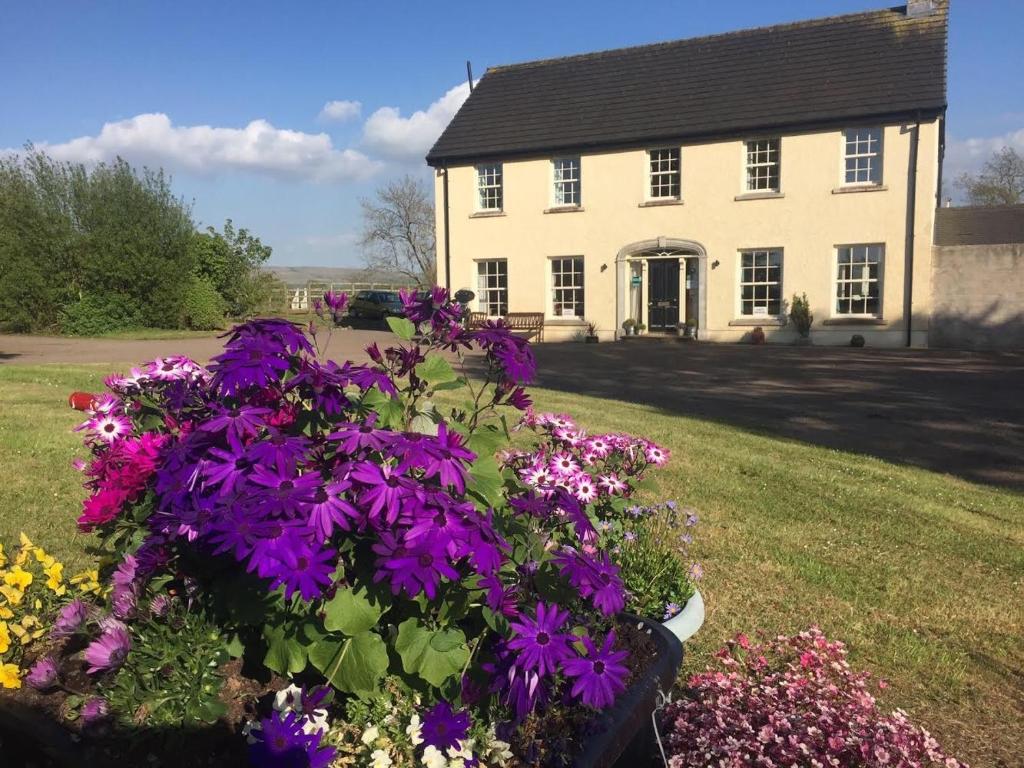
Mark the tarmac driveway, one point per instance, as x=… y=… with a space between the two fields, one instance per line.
x=949 y=411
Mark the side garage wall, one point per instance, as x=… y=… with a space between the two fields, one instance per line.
x=978 y=296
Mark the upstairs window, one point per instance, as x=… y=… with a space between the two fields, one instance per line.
x=859 y=280
x=566 y=172
x=863 y=155
x=664 y=174
x=567 y=287
x=763 y=165
x=492 y=287
x=761 y=282
x=489 y=186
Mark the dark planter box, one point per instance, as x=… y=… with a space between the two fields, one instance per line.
x=623 y=736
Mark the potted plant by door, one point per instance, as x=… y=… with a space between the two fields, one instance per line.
x=591 y=337
x=640 y=328
x=628 y=326
x=800 y=314
x=688 y=330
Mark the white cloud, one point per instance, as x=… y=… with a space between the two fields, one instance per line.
x=259 y=147
x=968 y=155
x=341 y=111
x=390 y=135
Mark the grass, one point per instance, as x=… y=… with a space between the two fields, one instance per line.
x=921 y=574
x=155 y=334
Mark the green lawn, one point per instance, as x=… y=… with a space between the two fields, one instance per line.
x=921 y=574
x=150 y=334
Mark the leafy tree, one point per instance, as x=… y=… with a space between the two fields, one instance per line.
x=1001 y=181
x=398 y=230
x=232 y=262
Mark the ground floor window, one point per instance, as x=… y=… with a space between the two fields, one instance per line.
x=761 y=282
x=567 y=286
x=859 y=280
x=492 y=287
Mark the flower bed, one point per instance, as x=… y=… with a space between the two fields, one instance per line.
x=277 y=520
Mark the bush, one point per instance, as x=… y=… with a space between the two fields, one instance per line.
x=95 y=315
x=203 y=307
x=800 y=314
x=790 y=701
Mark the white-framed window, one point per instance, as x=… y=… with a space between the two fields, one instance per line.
x=761 y=282
x=566 y=175
x=859 y=280
x=664 y=174
x=567 y=286
x=492 y=287
x=862 y=156
x=763 y=165
x=489 y=187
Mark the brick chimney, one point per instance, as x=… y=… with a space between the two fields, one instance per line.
x=917 y=9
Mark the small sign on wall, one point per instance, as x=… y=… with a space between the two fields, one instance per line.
x=635 y=280
x=760 y=310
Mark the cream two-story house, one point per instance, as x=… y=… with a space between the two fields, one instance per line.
x=707 y=180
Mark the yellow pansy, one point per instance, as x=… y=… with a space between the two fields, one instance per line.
x=10 y=676
x=88 y=581
x=55 y=577
x=28 y=630
x=18 y=578
x=3 y=557
x=44 y=559
x=14 y=596
x=5 y=638
x=6 y=613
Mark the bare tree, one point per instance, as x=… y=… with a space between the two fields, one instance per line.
x=1001 y=181
x=398 y=230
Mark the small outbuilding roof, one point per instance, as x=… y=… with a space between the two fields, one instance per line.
x=885 y=63
x=977 y=225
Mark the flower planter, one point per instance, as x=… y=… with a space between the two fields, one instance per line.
x=685 y=624
x=623 y=735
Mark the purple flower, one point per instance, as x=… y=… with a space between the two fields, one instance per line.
x=541 y=645
x=385 y=489
x=447 y=459
x=281 y=493
x=160 y=605
x=282 y=742
x=257 y=354
x=43 y=673
x=413 y=567
x=94 y=710
x=353 y=438
x=443 y=728
x=599 y=676
x=108 y=652
x=596 y=578
x=328 y=510
x=70 y=619
x=239 y=423
x=299 y=566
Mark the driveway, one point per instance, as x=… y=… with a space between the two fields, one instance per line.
x=954 y=412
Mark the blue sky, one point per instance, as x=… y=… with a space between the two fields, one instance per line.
x=230 y=96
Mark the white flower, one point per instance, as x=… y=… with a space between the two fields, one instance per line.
x=288 y=699
x=381 y=759
x=415 y=730
x=465 y=750
x=370 y=735
x=315 y=721
x=433 y=758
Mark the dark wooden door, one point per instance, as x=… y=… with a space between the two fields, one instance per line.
x=662 y=294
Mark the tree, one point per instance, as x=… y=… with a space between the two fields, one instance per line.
x=398 y=230
x=232 y=262
x=1001 y=181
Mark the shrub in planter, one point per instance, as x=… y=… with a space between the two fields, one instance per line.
x=800 y=315
x=856 y=340
x=331 y=522
x=790 y=701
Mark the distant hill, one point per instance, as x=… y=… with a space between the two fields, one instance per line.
x=299 y=276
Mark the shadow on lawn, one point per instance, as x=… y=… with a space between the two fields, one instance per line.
x=954 y=412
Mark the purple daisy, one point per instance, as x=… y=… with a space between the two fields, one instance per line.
x=94 y=710
x=328 y=510
x=43 y=674
x=70 y=619
x=443 y=728
x=280 y=493
x=108 y=652
x=385 y=488
x=541 y=645
x=282 y=742
x=415 y=567
x=300 y=567
x=599 y=676
x=353 y=438
x=448 y=457
x=239 y=423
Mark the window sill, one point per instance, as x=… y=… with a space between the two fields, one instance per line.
x=565 y=321
x=658 y=203
x=565 y=209
x=753 y=322
x=854 y=188
x=853 y=321
x=760 y=196
x=486 y=214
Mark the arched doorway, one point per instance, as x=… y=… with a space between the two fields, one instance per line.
x=661 y=283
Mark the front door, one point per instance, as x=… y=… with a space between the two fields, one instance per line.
x=662 y=294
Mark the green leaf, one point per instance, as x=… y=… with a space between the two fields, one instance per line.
x=402 y=328
x=353 y=664
x=486 y=480
x=351 y=611
x=285 y=654
x=435 y=370
x=432 y=655
x=235 y=647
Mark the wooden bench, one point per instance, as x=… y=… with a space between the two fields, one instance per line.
x=526 y=323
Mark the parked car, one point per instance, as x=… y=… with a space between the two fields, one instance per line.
x=375 y=305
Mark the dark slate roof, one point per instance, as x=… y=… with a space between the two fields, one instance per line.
x=998 y=225
x=873 y=64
